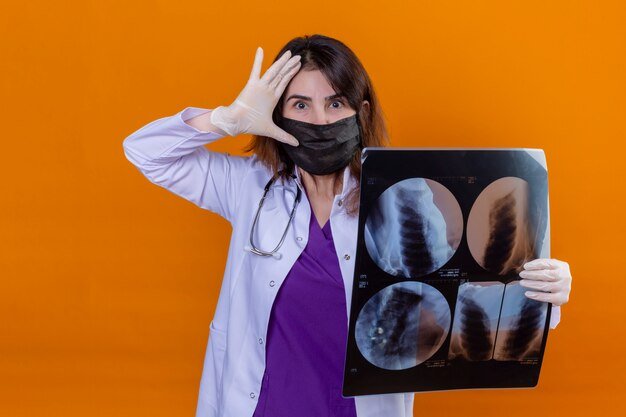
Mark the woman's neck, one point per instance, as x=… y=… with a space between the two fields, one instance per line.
x=325 y=186
x=321 y=191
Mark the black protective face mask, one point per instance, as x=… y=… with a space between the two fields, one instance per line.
x=325 y=148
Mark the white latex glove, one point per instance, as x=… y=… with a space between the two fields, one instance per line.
x=251 y=112
x=551 y=277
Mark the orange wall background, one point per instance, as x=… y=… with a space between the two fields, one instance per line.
x=108 y=282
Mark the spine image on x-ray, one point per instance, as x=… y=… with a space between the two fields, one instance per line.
x=500 y=230
x=475 y=321
x=522 y=322
x=402 y=325
x=413 y=228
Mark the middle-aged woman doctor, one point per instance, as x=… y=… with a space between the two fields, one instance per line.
x=278 y=336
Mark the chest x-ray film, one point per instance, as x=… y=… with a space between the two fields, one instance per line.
x=436 y=301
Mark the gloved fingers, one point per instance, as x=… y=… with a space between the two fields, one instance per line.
x=542 y=274
x=542 y=263
x=283 y=71
x=275 y=68
x=540 y=285
x=556 y=299
x=286 y=78
x=551 y=277
x=256 y=67
x=277 y=133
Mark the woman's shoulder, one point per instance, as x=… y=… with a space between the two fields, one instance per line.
x=257 y=167
x=245 y=164
x=257 y=174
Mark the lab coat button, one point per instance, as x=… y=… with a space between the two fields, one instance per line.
x=252 y=395
x=346 y=257
x=299 y=238
x=271 y=283
x=340 y=203
x=260 y=340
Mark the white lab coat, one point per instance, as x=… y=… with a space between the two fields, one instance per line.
x=170 y=153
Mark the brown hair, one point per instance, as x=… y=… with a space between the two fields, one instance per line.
x=346 y=75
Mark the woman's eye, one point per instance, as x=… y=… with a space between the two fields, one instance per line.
x=301 y=105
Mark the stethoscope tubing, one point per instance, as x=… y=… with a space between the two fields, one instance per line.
x=252 y=248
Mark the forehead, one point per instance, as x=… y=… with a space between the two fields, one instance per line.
x=310 y=83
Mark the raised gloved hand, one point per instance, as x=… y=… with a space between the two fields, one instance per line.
x=551 y=277
x=251 y=112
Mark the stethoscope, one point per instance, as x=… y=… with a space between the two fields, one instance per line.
x=252 y=247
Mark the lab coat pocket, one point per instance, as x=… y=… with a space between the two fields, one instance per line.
x=219 y=349
x=211 y=382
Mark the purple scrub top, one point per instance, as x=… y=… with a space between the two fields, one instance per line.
x=307 y=334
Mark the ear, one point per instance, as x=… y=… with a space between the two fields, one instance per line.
x=366 y=106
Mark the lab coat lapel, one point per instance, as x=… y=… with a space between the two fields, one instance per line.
x=345 y=231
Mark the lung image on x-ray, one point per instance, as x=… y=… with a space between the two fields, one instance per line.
x=413 y=228
x=402 y=325
x=500 y=229
x=520 y=332
x=476 y=321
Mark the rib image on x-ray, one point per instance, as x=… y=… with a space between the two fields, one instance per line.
x=522 y=321
x=411 y=231
x=500 y=233
x=402 y=325
x=476 y=321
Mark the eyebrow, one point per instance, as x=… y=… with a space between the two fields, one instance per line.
x=309 y=98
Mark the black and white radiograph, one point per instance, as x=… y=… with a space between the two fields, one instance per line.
x=436 y=302
x=413 y=228
x=476 y=321
x=522 y=321
x=402 y=325
x=500 y=229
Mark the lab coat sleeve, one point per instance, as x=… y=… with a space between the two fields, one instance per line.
x=171 y=153
x=555 y=316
